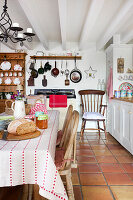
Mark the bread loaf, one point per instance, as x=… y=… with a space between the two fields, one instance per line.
x=21 y=126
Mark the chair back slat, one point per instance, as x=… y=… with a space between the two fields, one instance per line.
x=91 y=100
x=66 y=122
x=71 y=134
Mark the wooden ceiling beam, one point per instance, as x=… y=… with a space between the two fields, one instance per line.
x=26 y=6
x=62 y=4
x=114 y=25
x=92 y=16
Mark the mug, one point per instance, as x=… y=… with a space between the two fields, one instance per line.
x=14 y=74
x=10 y=74
x=6 y=74
x=1 y=75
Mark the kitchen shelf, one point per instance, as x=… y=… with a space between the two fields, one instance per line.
x=9 y=84
x=56 y=57
x=10 y=71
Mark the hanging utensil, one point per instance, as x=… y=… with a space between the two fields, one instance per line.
x=66 y=70
x=67 y=82
x=55 y=71
x=62 y=72
x=34 y=72
x=44 y=81
x=41 y=70
x=75 y=75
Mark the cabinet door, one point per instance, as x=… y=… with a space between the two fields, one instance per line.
x=116 y=120
x=127 y=126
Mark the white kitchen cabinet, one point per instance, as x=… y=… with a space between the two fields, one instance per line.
x=116 y=120
x=122 y=123
x=127 y=126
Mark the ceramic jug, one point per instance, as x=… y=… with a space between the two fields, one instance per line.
x=19 y=109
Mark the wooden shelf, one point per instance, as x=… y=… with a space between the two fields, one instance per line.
x=56 y=57
x=10 y=71
x=8 y=84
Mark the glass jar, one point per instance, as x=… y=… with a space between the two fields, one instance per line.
x=36 y=116
x=42 y=121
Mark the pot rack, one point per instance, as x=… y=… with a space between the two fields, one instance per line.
x=55 y=57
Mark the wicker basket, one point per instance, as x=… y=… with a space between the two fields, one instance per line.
x=8 y=109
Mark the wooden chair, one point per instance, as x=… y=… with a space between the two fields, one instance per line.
x=92 y=109
x=63 y=157
x=61 y=134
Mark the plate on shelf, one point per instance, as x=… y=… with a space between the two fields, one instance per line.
x=16 y=81
x=0 y=80
x=8 y=81
x=5 y=65
x=17 y=67
x=126 y=86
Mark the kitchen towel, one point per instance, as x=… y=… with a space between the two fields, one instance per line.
x=110 y=84
x=57 y=101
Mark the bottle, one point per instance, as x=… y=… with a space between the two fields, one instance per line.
x=103 y=85
x=99 y=84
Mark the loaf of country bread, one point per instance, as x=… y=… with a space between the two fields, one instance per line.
x=21 y=126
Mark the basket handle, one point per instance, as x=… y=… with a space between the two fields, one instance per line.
x=38 y=100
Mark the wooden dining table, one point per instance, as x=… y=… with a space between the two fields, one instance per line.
x=32 y=162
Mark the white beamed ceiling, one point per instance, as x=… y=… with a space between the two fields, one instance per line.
x=81 y=21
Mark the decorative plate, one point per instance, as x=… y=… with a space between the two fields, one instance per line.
x=5 y=65
x=17 y=67
x=16 y=81
x=0 y=80
x=8 y=81
x=126 y=86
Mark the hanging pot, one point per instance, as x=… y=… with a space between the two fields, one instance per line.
x=55 y=71
x=75 y=75
x=47 y=67
x=41 y=70
x=32 y=65
x=34 y=73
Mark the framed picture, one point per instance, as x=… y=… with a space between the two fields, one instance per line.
x=120 y=65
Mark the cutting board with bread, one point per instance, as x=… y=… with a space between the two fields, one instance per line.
x=21 y=129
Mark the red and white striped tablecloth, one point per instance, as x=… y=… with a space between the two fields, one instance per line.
x=32 y=162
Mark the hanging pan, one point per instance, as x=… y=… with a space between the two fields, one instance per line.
x=75 y=75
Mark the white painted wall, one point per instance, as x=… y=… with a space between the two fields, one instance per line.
x=90 y=57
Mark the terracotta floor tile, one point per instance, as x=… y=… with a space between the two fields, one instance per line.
x=122 y=192
x=111 y=168
x=128 y=167
x=130 y=175
x=102 y=153
x=77 y=193
x=75 y=179
x=83 y=146
x=84 y=152
x=120 y=152
x=125 y=159
x=92 y=179
x=86 y=159
x=114 y=146
x=88 y=168
x=95 y=142
x=93 y=137
x=118 y=179
x=82 y=141
x=96 y=193
x=111 y=142
x=99 y=147
x=106 y=159
x=74 y=170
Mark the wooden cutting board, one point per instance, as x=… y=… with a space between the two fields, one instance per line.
x=20 y=137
